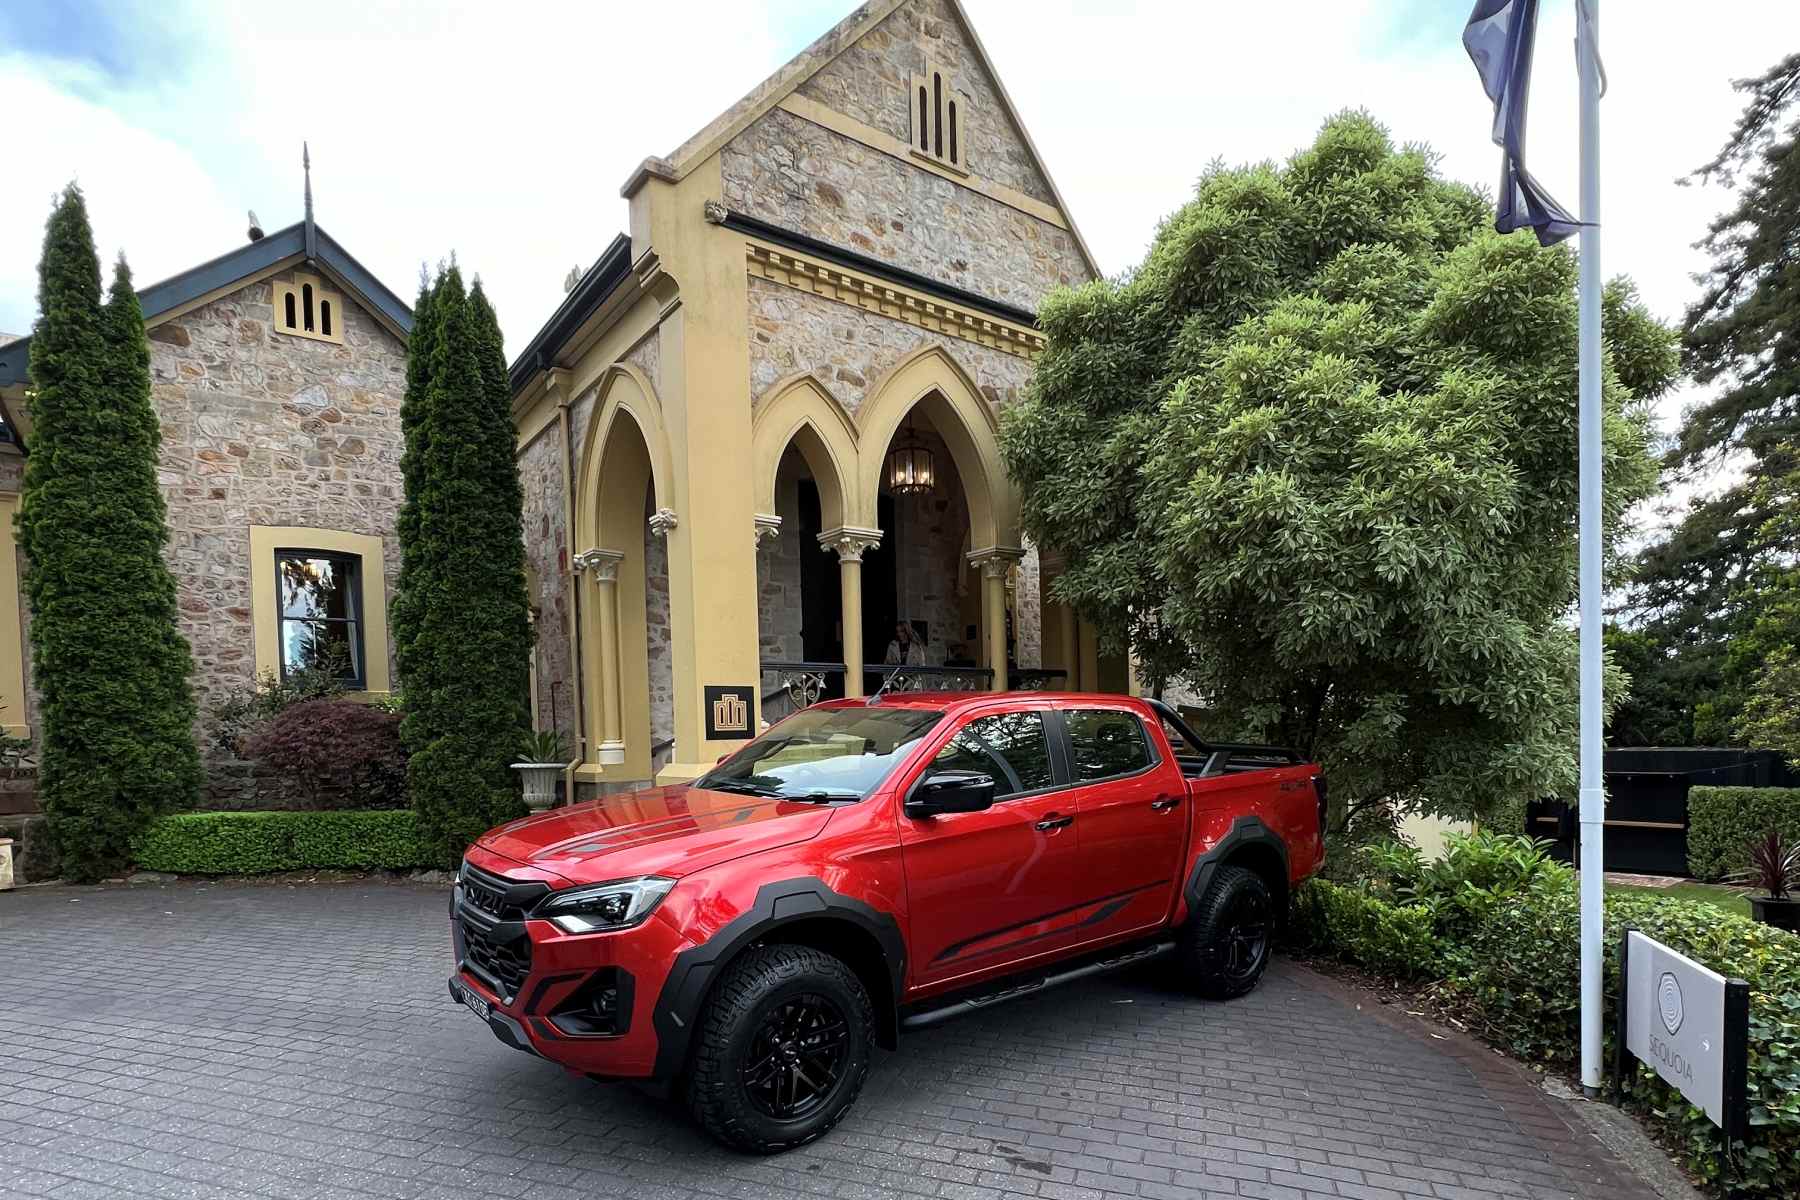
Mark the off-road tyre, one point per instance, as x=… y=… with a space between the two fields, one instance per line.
x=759 y=994
x=1224 y=948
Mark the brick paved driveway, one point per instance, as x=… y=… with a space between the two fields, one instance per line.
x=200 y=1041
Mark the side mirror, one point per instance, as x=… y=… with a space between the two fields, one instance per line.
x=951 y=792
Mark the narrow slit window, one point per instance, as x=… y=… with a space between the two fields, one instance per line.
x=325 y=306
x=953 y=131
x=937 y=111
x=306 y=305
x=924 y=121
x=290 y=320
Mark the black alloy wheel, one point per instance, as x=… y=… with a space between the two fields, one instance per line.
x=1225 y=945
x=797 y=1057
x=781 y=1049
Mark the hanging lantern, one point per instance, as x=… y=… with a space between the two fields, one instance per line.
x=911 y=467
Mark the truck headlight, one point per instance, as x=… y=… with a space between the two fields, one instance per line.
x=604 y=906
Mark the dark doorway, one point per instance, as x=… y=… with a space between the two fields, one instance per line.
x=821 y=601
x=880 y=599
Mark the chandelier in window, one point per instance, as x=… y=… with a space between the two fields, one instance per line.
x=911 y=467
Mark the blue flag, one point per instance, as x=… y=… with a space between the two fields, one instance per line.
x=1499 y=38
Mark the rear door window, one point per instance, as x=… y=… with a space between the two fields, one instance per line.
x=1105 y=742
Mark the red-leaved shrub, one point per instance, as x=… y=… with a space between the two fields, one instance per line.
x=335 y=753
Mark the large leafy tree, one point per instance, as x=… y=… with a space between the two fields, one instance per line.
x=1707 y=582
x=465 y=634
x=1315 y=459
x=109 y=662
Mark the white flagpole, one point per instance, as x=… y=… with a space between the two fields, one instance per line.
x=1593 y=791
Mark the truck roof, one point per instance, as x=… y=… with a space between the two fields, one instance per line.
x=956 y=701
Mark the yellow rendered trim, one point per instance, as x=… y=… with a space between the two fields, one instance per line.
x=12 y=629
x=801 y=411
x=265 y=540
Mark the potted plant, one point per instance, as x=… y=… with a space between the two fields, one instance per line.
x=1775 y=868
x=545 y=758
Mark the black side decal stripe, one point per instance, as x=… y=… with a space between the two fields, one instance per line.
x=1117 y=901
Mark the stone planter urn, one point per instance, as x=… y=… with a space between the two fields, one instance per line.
x=543 y=782
x=6 y=864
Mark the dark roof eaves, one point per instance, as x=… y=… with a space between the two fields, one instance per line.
x=595 y=286
x=166 y=295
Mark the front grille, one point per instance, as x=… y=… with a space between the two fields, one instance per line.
x=494 y=943
x=504 y=962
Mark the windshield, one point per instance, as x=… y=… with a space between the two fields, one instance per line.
x=823 y=754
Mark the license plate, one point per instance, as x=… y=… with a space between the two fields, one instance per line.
x=475 y=1003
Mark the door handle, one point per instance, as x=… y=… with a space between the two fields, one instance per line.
x=1055 y=822
x=1165 y=803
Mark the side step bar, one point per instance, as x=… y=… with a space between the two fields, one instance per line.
x=958 y=1008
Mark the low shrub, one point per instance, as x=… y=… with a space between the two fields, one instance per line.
x=1524 y=985
x=237 y=718
x=1498 y=925
x=1723 y=822
x=335 y=753
x=1355 y=927
x=256 y=843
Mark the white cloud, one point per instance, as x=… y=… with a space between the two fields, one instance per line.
x=503 y=132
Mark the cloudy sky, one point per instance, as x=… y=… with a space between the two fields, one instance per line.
x=502 y=132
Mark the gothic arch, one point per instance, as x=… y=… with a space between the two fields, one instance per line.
x=801 y=412
x=931 y=380
x=623 y=396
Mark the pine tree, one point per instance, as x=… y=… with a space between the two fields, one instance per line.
x=464 y=587
x=108 y=658
x=1706 y=584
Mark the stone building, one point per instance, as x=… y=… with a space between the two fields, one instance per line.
x=277 y=372
x=761 y=430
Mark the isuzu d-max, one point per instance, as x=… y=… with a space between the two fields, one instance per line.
x=868 y=867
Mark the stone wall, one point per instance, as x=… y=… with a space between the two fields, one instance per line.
x=804 y=177
x=872 y=81
x=547 y=557
x=658 y=632
x=778 y=576
x=850 y=351
x=263 y=428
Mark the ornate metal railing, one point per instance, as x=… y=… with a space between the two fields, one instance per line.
x=794 y=684
x=916 y=677
x=1035 y=679
x=800 y=683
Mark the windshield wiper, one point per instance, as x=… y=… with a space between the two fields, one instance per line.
x=742 y=787
x=820 y=796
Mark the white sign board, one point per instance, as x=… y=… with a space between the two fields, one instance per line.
x=1675 y=1021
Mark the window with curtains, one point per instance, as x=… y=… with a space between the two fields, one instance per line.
x=319 y=602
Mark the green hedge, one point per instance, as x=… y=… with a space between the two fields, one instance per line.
x=255 y=843
x=1350 y=925
x=1723 y=821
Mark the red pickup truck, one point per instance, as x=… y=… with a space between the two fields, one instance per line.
x=866 y=867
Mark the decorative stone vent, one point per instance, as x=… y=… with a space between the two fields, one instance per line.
x=937 y=119
x=306 y=309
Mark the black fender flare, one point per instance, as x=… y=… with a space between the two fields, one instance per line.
x=684 y=991
x=1245 y=831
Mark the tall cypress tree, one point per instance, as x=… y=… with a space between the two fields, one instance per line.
x=108 y=658
x=468 y=664
x=413 y=432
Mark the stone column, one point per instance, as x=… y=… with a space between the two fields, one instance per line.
x=995 y=563
x=850 y=543
x=602 y=569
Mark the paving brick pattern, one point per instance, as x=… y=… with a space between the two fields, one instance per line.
x=222 y=1041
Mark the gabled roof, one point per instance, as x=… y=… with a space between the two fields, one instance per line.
x=809 y=62
x=302 y=241
x=588 y=294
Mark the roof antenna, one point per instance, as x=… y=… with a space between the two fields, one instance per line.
x=311 y=230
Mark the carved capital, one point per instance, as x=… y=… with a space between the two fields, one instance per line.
x=849 y=542
x=602 y=566
x=662 y=521
x=996 y=562
x=767 y=527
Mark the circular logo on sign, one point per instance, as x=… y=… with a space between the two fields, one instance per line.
x=1668 y=999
